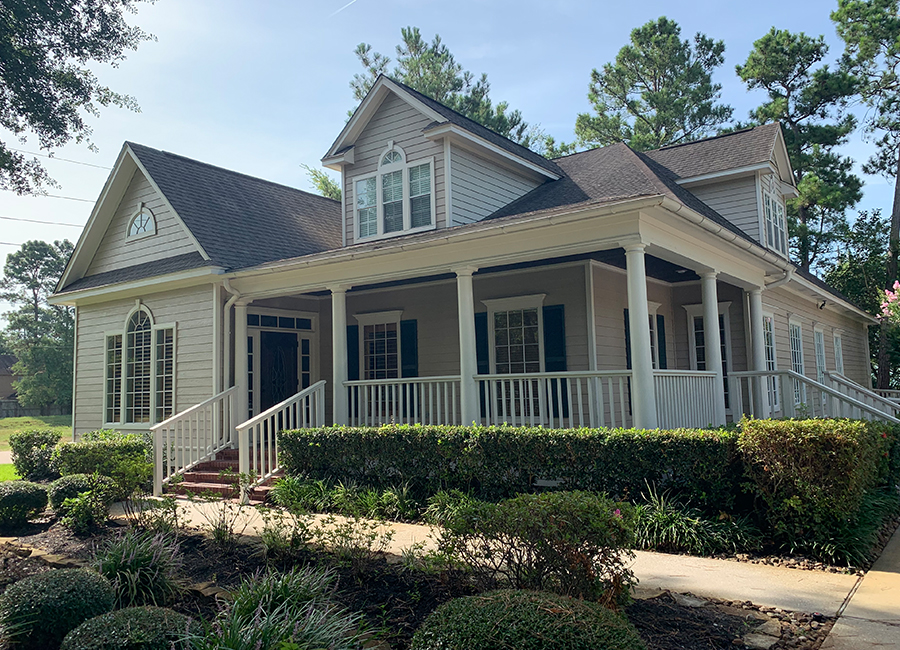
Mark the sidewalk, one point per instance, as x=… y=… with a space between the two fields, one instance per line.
x=770 y=586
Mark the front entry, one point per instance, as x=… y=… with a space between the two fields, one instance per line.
x=278 y=371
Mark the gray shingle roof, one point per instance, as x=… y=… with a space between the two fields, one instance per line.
x=719 y=153
x=241 y=220
x=161 y=266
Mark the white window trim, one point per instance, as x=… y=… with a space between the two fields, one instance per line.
x=652 y=310
x=778 y=221
x=796 y=322
x=405 y=166
x=532 y=301
x=695 y=311
x=154 y=327
x=821 y=363
x=378 y=318
x=287 y=313
x=776 y=386
x=837 y=342
x=150 y=232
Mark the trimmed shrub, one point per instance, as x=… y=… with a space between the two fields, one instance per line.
x=72 y=485
x=41 y=609
x=812 y=475
x=133 y=628
x=124 y=459
x=498 y=462
x=142 y=568
x=20 y=501
x=32 y=451
x=573 y=543
x=525 y=620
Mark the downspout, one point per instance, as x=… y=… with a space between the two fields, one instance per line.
x=235 y=294
x=787 y=277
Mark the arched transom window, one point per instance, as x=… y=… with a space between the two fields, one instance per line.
x=140 y=375
x=142 y=223
x=398 y=198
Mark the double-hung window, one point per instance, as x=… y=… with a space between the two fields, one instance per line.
x=776 y=223
x=838 y=354
x=140 y=372
x=773 y=387
x=398 y=198
x=797 y=364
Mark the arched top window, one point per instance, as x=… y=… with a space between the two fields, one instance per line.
x=391 y=157
x=142 y=224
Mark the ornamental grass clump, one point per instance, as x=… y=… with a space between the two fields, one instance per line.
x=37 y=612
x=142 y=567
x=133 y=628
x=525 y=620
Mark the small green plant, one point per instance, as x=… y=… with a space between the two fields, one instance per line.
x=298 y=493
x=266 y=592
x=573 y=543
x=158 y=515
x=284 y=534
x=72 y=485
x=142 y=567
x=354 y=541
x=133 y=628
x=43 y=608
x=86 y=511
x=525 y=619
x=32 y=451
x=445 y=505
x=224 y=520
x=20 y=501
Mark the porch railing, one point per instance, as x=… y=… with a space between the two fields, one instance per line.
x=892 y=395
x=419 y=400
x=557 y=400
x=801 y=396
x=193 y=436
x=685 y=398
x=860 y=393
x=258 y=437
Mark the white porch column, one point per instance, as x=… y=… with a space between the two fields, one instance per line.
x=758 y=351
x=240 y=361
x=468 y=361
x=713 y=340
x=643 y=393
x=339 y=354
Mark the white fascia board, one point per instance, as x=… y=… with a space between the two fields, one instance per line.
x=448 y=129
x=92 y=234
x=337 y=162
x=367 y=108
x=827 y=296
x=737 y=171
x=159 y=283
x=780 y=152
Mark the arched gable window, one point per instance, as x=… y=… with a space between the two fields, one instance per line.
x=397 y=198
x=146 y=362
x=142 y=224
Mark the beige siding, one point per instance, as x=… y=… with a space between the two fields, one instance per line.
x=398 y=121
x=479 y=187
x=782 y=304
x=735 y=200
x=116 y=252
x=190 y=310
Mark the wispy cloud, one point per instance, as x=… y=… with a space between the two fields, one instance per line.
x=342 y=8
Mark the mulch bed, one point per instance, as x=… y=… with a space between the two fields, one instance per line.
x=394 y=601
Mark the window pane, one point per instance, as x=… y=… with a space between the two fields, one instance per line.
x=420 y=211
x=138 y=368
x=393 y=216
x=392 y=187
x=113 y=378
x=165 y=374
x=391 y=157
x=380 y=358
x=366 y=206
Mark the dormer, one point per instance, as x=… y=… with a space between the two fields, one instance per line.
x=745 y=176
x=410 y=164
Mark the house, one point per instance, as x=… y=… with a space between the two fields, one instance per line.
x=7 y=377
x=462 y=278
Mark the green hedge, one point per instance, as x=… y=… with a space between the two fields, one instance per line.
x=498 y=462
x=812 y=476
x=125 y=459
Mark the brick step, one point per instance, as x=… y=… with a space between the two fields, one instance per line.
x=205 y=476
x=227 y=454
x=205 y=488
x=215 y=466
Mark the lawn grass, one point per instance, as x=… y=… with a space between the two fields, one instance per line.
x=8 y=473
x=8 y=426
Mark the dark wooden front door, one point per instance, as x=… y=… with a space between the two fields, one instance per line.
x=278 y=378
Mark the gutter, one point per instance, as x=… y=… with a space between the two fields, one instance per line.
x=788 y=276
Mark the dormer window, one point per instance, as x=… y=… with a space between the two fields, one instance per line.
x=398 y=198
x=142 y=224
x=776 y=225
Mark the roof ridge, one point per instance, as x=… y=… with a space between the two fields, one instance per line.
x=650 y=173
x=712 y=137
x=228 y=171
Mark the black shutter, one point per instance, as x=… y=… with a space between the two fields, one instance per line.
x=353 y=352
x=627 y=342
x=661 y=341
x=482 y=355
x=409 y=348
x=555 y=355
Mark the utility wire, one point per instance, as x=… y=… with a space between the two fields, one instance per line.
x=6 y=243
x=75 y=162
x=50 y=223
x=53 y=196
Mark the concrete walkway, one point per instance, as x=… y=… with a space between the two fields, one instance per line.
x=5 y=457
x=872 y=617
x=770 y=586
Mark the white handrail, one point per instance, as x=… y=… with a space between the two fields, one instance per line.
x=407 y=400
x=258 y=436
x=850 y=388
x=193 y=436
x=830 y=402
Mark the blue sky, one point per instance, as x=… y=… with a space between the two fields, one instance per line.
x=261 y=87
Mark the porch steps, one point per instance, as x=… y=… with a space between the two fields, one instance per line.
x=219 y=477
